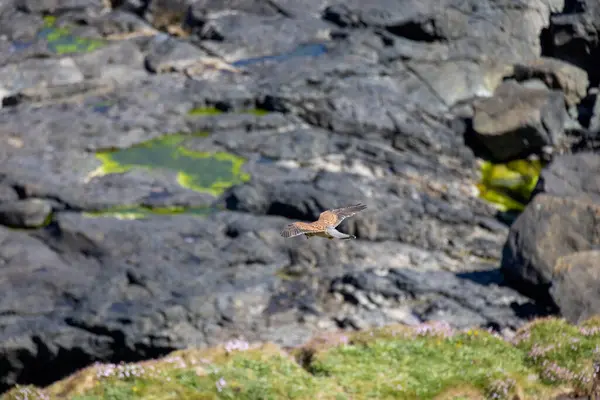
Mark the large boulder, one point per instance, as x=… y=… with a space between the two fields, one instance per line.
x=550 y=227
x=518 y=121
x=576 y=285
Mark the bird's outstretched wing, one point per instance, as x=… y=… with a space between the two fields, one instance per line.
x=299 y=228
x=337 y=215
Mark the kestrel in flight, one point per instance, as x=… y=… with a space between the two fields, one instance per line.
x=325 y=225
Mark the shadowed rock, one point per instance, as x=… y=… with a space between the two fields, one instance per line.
x=519 y=120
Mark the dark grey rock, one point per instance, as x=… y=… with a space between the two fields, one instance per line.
x=239 y=36
x=29 y=213
x=549 y=228
x=167 y=54
x=35 y=73
x=163 y=14
x=573 y=35
x=469 y=299
x=56 y=6
x=453 y=21
x=22 y=27
x=57 y=93
x=595 y=115
x=199 y=11
x=518 y=121
x=572 y=175
x=575 y=285
x=556 y=74
x=118 y=22
x=7 y=194
x=121 y=61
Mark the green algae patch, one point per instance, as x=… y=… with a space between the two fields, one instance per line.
x=509 y=186
x=62 y=41
x=204 y=111
x=431 y=361
x=207 y=172
x=141 y=212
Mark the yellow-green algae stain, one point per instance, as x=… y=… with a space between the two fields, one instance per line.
x=509 y=185
x=139 y=212
x=546 y=358
x=203 y=111
x=62 y=41
x=207 y=172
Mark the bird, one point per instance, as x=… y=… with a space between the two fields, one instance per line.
x=325 y=225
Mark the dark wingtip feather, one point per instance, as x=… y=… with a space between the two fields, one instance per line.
x=358 y=207
x=289 y=231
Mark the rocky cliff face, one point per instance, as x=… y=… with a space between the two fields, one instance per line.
x=151 y=151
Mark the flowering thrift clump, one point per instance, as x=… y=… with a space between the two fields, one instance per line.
x=539 y=351
x=29 y=393
x=221 y=383
x=501 y=389
x=435 y=328
x=176 y=361
x=119 y=371
x=590 y=330
x=236 y=344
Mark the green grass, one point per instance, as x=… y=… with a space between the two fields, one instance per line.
x=395 y=362
x=208 y=172
x=420 y=368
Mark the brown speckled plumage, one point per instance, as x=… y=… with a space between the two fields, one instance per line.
x=325 y=225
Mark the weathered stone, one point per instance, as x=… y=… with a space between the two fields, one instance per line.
x=56 y=93
x=576 y=285
x=467 y=25
x=167 y=54
x=573 y=35
x=572 y=175
x=56 y=6
x=202 y=9
x=7 y=194
x=35 y=73
x=121 y=62
x=30 y=213
x=517 y=121
x=238 y=36
x=556 y=74
x=166 y=13
x=472 y=299
x=595 y=115
x=549 y=228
